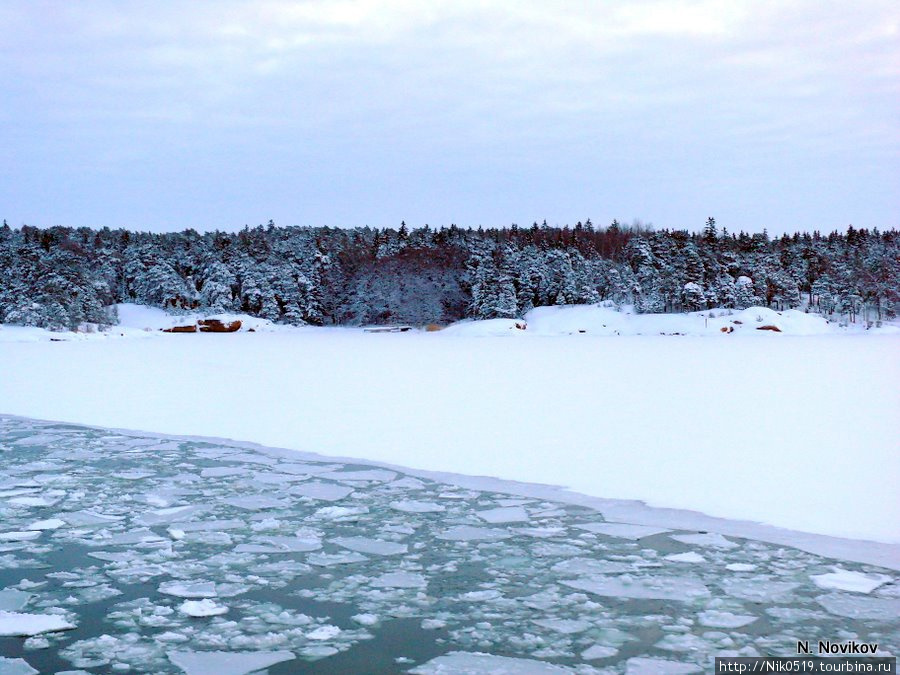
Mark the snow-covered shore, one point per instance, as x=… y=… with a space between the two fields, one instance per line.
x=796 y=432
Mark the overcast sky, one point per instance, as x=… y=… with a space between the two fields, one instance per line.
x=164 y=115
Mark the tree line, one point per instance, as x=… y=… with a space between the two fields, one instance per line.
x=61 y=277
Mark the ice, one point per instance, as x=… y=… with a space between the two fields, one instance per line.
x=326 y=632
x=846 y=580
x=15 y=623
x=140 y=535
x=710 y=539
x=469 y=533
x=564 y=626
x=88 y=518
x=400 y=580
x=15 y=667
x=12 y=599
x=183 y=589
x=687 y=557
x=720 y=619
x=256 y=502
x=740 y=567
x=649 y=666
x=201 y=608
x=372 y=546
x=590 y=566
x=759 y=589
x=222 y=471
x=162 y=516
x=331 y=559
x=32 y=501
x=212 y=525
x=622 y=530
x=327 y=492
x=509 y=514
x=477 y=663
x=376 y=475
x=280 y=544
x=27 y=535
x=861 y=607
x=683 y=589
x=412 y=506
x=365 y=619
x=598 y=652
x=49 y=524
x=341 y=513
x=226 y=663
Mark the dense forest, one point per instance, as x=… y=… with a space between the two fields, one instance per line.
x=61 y=278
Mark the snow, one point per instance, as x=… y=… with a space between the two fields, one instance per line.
x=475 y=663
x=744 y=414
x=847 y=580
x=227 y=663
x=17 y=623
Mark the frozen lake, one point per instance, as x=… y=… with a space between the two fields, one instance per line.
x=128 y=553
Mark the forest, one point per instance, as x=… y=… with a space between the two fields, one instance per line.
x=62 y=278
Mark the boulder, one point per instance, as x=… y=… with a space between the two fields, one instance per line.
x=180 y=329
x=769 y=327
x=217 y=326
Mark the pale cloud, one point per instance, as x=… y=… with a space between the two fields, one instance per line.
x=480 y=112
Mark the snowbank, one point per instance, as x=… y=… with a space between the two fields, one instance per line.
x=798 y=433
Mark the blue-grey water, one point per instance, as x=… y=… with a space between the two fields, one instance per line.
x=357 y=569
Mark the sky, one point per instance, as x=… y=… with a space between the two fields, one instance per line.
x=777 y=114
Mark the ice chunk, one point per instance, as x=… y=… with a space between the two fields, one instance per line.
x=469 y=533
x=622 y=530
x=11 y=599
x=861 y=606
x=341 y=512
x=201 y=608
x=377 y=475
x=540 y=532
x=508 y=514
x=477 y=663
x=684 y=589
x=226 y=663
x=280 y=544
x=330 y=559
x=20 y=536
x=759 y=589
x=15 y=623
x=168 y=515
x=590 y=566
x=710 y=539
x=598 y=652
x=399 y=580
x=740 y=567
x=640 y=665
x=412 y=506
x=719 y=619
x=222 y=471
x=201 y=525
x=687 y=557
x=373 y=546
x=184 y=589
x=33 y=501
x=256 y=502
x=564 y=626
x=326 y=492
x=88 y=518
x=846 y=580
x=365 y=619
x=49 y=524
x=15 y=667
x=325 y=632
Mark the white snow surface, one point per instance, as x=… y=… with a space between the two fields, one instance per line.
x=722 y=424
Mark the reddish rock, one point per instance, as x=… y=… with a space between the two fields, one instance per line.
x=727 y=329
x=216 y=326
x=773 y=328
x=180 y=329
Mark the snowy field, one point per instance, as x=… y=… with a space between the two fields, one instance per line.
x=796 y=429
x=126 y=552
